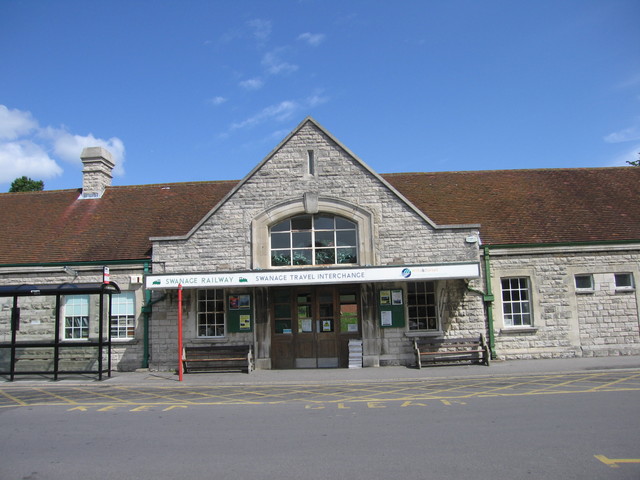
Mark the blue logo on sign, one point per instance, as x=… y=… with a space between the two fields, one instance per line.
x=406 y=273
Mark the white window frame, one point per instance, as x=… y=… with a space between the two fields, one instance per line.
x=590 y=288
x=517 y=306
x=76 y=317
x=318 y=240
x=123 y=315
x=210 y=305
x=422 y=307
x=626 y=286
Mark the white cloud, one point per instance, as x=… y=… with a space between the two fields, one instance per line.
x=313 y=39
x=316 y=99
x=626 y=135
x=629 y=82
x=217 y=100
x=261 y=29
x=275 y=65
x=34 y=151
x=252 y=84
x=28 y=159
x=15 y=123
x=68 y=146
x=279 y=112
x=630 y=155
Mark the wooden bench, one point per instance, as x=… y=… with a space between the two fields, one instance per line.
x=217 y=358
x=451 y=350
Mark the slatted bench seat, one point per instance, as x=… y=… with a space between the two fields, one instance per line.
x=451 y=350
x=217 y=358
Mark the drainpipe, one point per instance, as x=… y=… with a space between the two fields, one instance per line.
x=488 y=301
x=487 y=298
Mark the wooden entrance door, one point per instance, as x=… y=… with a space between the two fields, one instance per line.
x=312 y=326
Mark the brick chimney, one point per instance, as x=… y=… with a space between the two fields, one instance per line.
x=96 y=173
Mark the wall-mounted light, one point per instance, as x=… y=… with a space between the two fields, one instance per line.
x=70 y=271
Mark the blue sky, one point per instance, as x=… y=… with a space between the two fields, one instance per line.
x=204 y=90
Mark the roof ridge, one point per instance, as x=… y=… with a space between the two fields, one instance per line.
x=193 y=182
x=508 y=170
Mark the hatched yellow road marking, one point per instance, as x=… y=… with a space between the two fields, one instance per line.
x=374 y=394
x=14 y=399
x=615 y=382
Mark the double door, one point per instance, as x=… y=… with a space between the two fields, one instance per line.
x=312 y=326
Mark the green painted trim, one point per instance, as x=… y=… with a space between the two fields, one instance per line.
x=146 y=314
x=488 y=300
x=560 y=244
x=77 y=264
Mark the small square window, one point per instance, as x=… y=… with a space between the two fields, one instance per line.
x=624 y=281
x=584 y=283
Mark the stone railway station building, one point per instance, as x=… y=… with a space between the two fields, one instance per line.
x=314 y=249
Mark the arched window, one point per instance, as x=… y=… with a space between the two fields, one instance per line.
x=321 y=239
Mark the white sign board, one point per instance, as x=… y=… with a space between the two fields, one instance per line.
x=314 y=277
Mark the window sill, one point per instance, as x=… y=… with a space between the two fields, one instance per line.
x=585 y=292
x=414 y=334
x=625 y=290
x=518 y=331
x=124 y=341
x=209 y=340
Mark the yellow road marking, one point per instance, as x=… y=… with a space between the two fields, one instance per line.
x=64 y=399
x=613 y=462
x=90 y=392
x=14 y=399
x=149 y=394
x=599 y=387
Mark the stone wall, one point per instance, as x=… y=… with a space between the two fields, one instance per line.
x=399 y=234
x=37 y=314
x=567 y=322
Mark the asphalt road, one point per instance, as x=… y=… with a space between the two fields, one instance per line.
x=569 y=426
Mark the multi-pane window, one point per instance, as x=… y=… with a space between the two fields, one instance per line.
x=624 y=281
x=211 y=313
x=314 y=240
x=76 y=317
x=123 y=320
x=584 y=283
x=516 y=301
x=421 y=302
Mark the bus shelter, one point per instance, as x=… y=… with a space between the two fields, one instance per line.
x=49 y=353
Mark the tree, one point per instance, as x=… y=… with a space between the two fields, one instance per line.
x=634 y=163
x=26 y=184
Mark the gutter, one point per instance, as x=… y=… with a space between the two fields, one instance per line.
x=76 y=264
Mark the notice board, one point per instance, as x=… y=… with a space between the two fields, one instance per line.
x=391 y=305
x=239 y=313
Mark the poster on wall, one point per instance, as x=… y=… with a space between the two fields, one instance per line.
x=239 y=302
x=386 y=318
x=245 y=322
x=385 y=297
x=396 y=297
